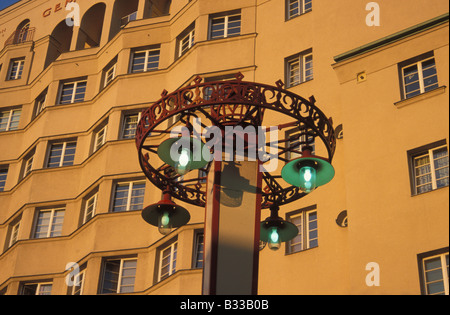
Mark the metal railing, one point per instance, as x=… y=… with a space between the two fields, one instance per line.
x=21 y=36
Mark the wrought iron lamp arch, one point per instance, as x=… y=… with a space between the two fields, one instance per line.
x=230 y=103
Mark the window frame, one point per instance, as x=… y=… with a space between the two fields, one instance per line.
x=14 y=115
x=291 y=76
x=128 y=205
x=40 y=103
x=124 y=125
x=87 y=205
x=51 y=223
x=3 y=176
x=14 y=234
x=305 y=230
x=422 y=258
x=73 y=99
x=121 y=261
x=100 y=137
x=63 y=155
x=226 y=28
x=198 y=250
x=301 y=8
x=421 y=152
x=173 y=253
x=146 y=57
x=19 y=71
x=189 y=35
x=38 y=287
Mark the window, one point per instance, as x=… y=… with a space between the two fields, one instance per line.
x=78 y=283
x=429 y=167
x=89 y=208
x=3 y=176
x=110 y=73
x=306 y=222
x=145 y=60
x=119 y=275
x=225 y=26
x=297 y=140
x=49 y=223
x=167 y=261
x=186 y=40
x=62 y=154
x=299 y=68
x=40 y=103
x=9 y=119
x=434 y=272
x=198 y=250
x=130 y=123
x=36 y=289
x=28 y=164
x=72 y=92
x=100 y=137
x=16 y=69
x=419 y=77
x=129 y=196
x=14 y=236
x=298 y=7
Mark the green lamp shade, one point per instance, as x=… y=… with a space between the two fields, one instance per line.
x=166 y=215
x=277 y=231
x=308 y=173
x=184 y=154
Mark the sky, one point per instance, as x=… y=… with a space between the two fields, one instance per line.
x=7 y=3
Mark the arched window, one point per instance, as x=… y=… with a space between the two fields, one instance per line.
x=22 y=31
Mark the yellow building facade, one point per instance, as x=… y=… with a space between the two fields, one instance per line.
x=72 y=190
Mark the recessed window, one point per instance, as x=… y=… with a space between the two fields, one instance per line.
x=62 y=154
x=128 y=196
x=100 y=136
x=307 y=224
x=198 y=249
x=49 y=223
x=3 y=176
x=145 y=60
x=434 y=272
x=167 y=261
x=72 y=92
x=429 y=167
x=299 y=68
x=44 y=288
x=109 y=72
x=90 y=207
x=28 y=164
x=297 y=7
x=40 y=103
x=130 y=123
x=9 y=119
x=297 y=138
x=225 y=25
x=419 y=77
x=119 y=275
x=14 y=233
x=16 y=69
x=78 y=283
x=186 y=40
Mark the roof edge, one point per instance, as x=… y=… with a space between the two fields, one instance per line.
x=393 y=37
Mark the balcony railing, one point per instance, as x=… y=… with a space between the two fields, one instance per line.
x=21 y=36
x=127 y=19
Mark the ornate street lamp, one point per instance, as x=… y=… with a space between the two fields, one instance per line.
x=224 y=104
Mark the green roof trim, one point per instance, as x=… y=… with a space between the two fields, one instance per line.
x=394 y=37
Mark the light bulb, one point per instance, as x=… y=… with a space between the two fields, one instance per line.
x=184 y=162
x=274 y=241
x=308 y=177
x=164 y=225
